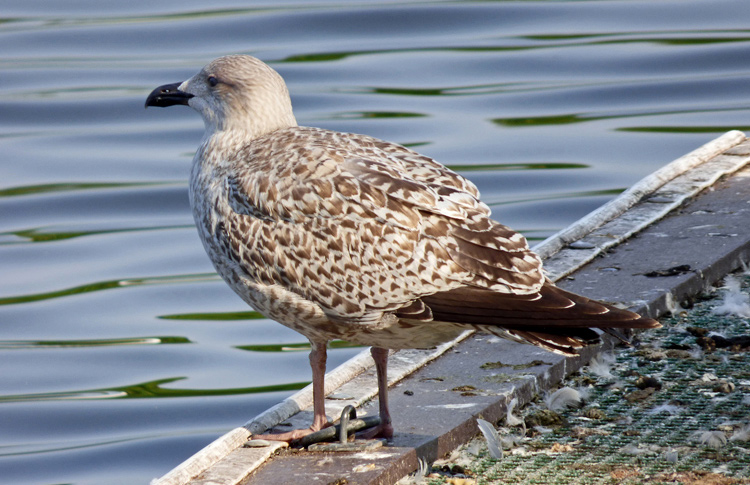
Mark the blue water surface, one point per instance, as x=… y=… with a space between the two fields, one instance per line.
x=122 y=353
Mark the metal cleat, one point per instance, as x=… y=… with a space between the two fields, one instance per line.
x=348 y=424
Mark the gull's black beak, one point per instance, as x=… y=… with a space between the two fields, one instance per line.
x=167 y=95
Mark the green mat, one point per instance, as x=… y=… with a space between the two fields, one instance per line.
x=674 y=410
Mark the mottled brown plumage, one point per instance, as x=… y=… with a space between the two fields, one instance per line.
x=344 y=236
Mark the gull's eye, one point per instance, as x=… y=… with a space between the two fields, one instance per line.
x=212 y=81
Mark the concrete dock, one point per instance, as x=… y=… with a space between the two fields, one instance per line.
x=663 y=241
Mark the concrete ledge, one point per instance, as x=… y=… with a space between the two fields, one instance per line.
x=710 y=235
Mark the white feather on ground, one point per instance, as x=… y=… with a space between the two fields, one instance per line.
x=601 y=365
x=713 y=439
x=543 y=429
x=562 y=398
x=667 y=408
x=494 y=445
x=510 y=418
x=734 y=301
x=742 y=434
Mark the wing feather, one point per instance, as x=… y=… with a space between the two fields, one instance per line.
x=341 y=203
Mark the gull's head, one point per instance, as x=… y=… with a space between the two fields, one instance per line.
x=232 y=93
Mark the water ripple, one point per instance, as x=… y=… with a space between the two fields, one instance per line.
x=108 y=285
x=550 y=107
x=65 y=344
x=147 y=390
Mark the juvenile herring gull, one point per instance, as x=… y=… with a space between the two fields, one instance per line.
x=344 y=236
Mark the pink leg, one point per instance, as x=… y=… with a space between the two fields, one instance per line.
x=318 y=358
x=385 y=429
x=318 y=364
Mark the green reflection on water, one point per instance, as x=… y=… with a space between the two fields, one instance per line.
x=108 y=285
x=32 y=23
x=695 y=37
x=684 y=129
x=68 y=187
x=567 y=195
x=325 y=56
x=154 y=389
x=516 y=166
x=570 y=118
x=353 y=115
x=45 y=234
x=547 y=120
x=448 y=91
x=678 y=38
x=220 y=316
x=334 y=344
x=46 y=344
x=412 y=91
x=149 y=390
x=538 y=235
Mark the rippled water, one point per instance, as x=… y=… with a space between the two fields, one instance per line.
x=122 y=353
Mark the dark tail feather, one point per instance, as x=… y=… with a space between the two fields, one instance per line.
x=554 y=319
